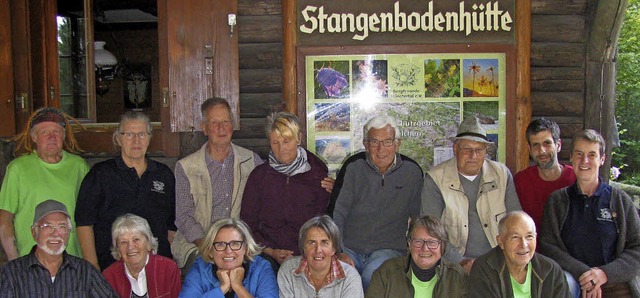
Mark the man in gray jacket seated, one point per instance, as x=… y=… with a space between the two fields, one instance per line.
x=375 y=194
x=513 y=268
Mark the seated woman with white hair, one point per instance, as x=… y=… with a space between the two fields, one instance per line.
x=139 y=271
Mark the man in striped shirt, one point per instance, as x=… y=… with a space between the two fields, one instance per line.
x=48 y=271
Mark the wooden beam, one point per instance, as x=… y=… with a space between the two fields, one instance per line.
x=523 y=82
x=289 y=41
x=8 y=122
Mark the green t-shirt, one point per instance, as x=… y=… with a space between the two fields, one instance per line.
x=522 y=290
x=30 y=181
x=423 y=289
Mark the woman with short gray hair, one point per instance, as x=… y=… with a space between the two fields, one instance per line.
x=318 y=272
x=139 y=272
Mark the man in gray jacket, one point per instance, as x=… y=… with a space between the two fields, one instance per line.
x=513 y=268
x=375 y=194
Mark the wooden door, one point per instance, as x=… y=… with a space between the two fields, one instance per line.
x=7 y=123
x=202 y=54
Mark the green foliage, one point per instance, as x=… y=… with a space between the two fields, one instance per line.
x=626 y=157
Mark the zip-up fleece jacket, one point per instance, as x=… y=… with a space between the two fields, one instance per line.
x=490 y=277
x=372 y=209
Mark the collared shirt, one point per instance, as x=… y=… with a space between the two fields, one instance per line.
x=138 y=286
x=221 y=175
x=26 y=277
x=112 y=189
x=335 y=270
x=589 y=232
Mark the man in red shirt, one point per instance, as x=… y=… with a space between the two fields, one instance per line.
x=535 y=183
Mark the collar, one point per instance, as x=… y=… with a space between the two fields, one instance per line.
x=336 y=271
x=602 y=186
x=151 y=166
x=397 y=160
x=208 y=160
x=32 y=260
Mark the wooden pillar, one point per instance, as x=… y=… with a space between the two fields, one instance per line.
x=289 y=41
x=599 y=114
x=523 y=82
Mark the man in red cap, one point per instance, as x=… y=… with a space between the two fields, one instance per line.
x=47 y=170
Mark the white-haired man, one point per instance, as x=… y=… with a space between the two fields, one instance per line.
x=375 y=194
x=469 y=194
x=48 y=271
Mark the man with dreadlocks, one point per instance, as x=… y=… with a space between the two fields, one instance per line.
x=48 y=170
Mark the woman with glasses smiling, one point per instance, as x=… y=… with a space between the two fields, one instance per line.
x=423 y=272
x=229 y=265
x=128 y=183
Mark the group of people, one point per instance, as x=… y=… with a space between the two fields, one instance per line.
x=229 y=224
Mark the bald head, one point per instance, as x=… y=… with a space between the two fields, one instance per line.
x=515 y=217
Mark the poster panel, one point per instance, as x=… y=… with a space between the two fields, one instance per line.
x=427 y=94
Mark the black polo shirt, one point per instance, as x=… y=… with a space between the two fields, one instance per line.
x=589 y=232
x=112 y=189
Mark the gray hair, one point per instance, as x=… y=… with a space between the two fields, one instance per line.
x=502 y=224
x=209 y=103
x=284 y=124
x=253 y=249
x=591 y=136
x=131 y=223
x=434 y=227
x=326 y=224
x=379 y=122
x=131 y=116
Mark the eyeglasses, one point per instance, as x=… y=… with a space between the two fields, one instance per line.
x=130 y=135
x=419 y=243
x=48 y=228
x=469 y=151
x=234 y=245
x=376 y=143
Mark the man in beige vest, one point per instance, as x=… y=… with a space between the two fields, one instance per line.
x=209 y=182
x=470 y=194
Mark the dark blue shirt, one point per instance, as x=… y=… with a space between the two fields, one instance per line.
x=26 y=277
x=589 y=232
x=112 y=189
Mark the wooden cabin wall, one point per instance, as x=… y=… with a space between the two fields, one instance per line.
x=260 y=50
x=558 y=65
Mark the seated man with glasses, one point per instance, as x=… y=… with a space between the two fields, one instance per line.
x=423 y=272
x=48 y=271
x=469 y=193
x=375 y=194
x=513 y=268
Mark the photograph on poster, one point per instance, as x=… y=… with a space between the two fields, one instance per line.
x=370 y=77
x=332 y=79
x=333 y=149
x=406 y=75
x=480 y=78
x=442 y=77
x=332 y=116
x=486 y=111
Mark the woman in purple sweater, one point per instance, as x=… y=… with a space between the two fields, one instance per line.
x=280 y=196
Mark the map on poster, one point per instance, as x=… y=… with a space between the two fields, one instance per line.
x=427 y=94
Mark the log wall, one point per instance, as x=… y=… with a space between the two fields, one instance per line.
x=558 y=64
